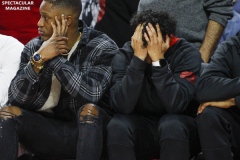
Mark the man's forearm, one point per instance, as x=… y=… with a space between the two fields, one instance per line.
x=211 y=39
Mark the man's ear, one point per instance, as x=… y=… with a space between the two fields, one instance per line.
x=69 y=20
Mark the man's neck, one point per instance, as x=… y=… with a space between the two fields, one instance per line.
x=73 y=38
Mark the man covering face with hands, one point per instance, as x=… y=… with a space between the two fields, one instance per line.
x=152 y=92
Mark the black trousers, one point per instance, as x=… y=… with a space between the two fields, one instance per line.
x=48 y=138
x=136 y=137
x=219 y=131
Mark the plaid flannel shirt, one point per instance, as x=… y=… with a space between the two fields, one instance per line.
x=84 y=78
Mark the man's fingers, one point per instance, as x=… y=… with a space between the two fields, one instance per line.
x=153 y=33
x=166 y=44
x=54 y=29
x=150 y=34
x=138 y=28
x=159 y=31
x=146 y=37
x=167 y=41
x=150 y=28
x=199 y=111
x=136 y=32
x=64 y=26
x=62 y=51
x=58 y=25
x=139 y=32
x=61 y=47
x=137 y=36
x=61 y=38
x=61 y=42
x=202 y=107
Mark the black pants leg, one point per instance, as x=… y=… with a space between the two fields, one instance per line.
x=178 y=137
x=132 y=137
x=219 y=131
x=92 y=125
x=45 y=137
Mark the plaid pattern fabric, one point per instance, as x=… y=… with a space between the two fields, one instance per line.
x=84 y=78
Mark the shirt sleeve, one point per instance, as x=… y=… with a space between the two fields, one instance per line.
x=128 y=75
x=10 y=58
x=24 y=87
x=176 y=87
x=217 y=82
x=219 y=11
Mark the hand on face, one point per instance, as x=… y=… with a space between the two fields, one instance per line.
x=57 y=43
x=137 y=44
x=156 y=46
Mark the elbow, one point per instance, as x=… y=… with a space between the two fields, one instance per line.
x=11 y=101
x=200 y=99
x=200 y=96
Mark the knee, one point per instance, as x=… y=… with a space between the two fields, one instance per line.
x=10 y=112
x=88 y=113
x=209 y=117
x=117 y=129
x=172 y=128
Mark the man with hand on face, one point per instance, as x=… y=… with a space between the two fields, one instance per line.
x=64 y=73
x=153 y=93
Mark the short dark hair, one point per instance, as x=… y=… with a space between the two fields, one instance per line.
x=166 y=22
x=73 y=5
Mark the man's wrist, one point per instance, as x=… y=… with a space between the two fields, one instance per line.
x=36 y=65
x=37 y=57
x=141 y=57
x=233 y=102
x=156 y=64
x=160 y=63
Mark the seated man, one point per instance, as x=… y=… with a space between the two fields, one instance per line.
x=218 y=91
x=153 y=88
x=67 y=66
x=10 y=52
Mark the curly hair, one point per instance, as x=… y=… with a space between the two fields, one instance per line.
x=166 y=22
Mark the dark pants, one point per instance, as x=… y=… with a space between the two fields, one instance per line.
x=219 y=131
x=49 y=138
x=135 y=137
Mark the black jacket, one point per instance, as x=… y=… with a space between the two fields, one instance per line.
x=140 y=87
x=220 y=80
